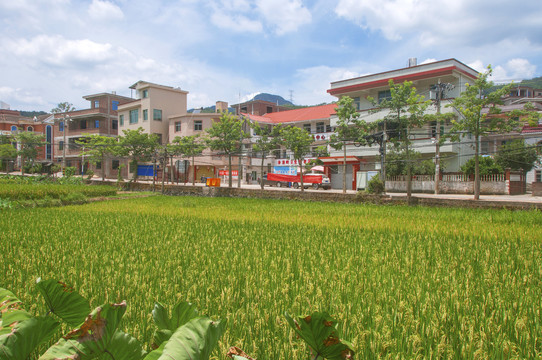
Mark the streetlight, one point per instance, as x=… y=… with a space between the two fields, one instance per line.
x=66 y=119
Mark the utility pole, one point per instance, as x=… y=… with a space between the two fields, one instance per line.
x=440 y=89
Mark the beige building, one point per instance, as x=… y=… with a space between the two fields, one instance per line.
x=152 y=108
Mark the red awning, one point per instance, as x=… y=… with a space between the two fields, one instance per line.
x=337 y=160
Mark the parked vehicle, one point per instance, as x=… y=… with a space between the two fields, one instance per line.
x=312 y=179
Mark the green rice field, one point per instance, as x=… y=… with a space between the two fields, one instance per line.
x=402 y=282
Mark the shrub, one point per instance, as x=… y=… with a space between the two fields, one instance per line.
x=69 y=171
x=375 y=186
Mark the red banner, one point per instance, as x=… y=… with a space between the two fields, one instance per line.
x=227 y=173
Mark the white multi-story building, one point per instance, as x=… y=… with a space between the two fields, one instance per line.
x=424 y=77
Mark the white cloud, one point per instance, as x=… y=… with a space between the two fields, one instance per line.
x=104 y=10
x=284 y=15
x=58 y=51
x=444 y=23
x=312 y=83
x=11 y=95
x=513 y=70
x=236 y=23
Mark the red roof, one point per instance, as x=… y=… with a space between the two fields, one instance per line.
x=320 y=112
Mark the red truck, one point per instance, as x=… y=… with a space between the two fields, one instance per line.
x=315 y=180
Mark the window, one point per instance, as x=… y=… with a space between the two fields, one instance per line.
x=49 y=139
x=485 y=147
x=198 y=126
x=115 y=164
x=269 y=109
x=83 y=124
x=114 y=124
x=60 y=126
x=328 y=128
x=96 y=124
x=159 y=138
x=13 y=128
x=61 y=145
x=307 y=127
x=384 y=95
x=320 y=127
x=157 y=114
x=538 y=175
x=145 y=115
x=121 y=118
x=357 y=103
x=114 y=105
x=30 y=128
x=134 y=116
x=145 y=94
x=177 y=126
x=96 y=104
x=98 y=165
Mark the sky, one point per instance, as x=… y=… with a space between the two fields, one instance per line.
x=53 y=51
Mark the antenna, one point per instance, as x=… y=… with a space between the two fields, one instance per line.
x=292 y=96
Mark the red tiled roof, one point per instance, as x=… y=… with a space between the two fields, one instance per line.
x=297 y=115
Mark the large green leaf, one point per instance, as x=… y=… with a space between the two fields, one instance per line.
x=125 y=347
x=8 y=301
x=319 y=331
x=13 y=315
x=23 y=337
x=92 y=338
x=64 y=302
x=182 y=312
x=193 y=341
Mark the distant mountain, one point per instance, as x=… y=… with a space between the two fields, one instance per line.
x=272 y=98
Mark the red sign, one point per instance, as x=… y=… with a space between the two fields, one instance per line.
x=227 y=173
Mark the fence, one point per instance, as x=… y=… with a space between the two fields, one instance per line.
x=509 y=183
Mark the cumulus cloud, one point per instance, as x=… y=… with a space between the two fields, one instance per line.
x=236 y=23
x=58 y=51
x=281 y=16
x=444 y=22
x=104 y=10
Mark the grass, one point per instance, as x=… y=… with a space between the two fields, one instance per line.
x=403 y=282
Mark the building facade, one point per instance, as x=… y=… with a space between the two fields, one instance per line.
x=376 y=86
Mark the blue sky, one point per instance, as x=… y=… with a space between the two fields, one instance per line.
x=61 y=50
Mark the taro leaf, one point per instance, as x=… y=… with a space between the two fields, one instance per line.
x=64 y=302
x=125 y=347
x=92 y=338
x=8 y=301
x=159 y=337
x=182 y=312
x=13 y=315
x=319 y=331
x=25 y=336
x=155 y=354
x=194 y=340
x=237 y=354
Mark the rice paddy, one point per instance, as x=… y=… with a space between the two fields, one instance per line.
x=402 y=282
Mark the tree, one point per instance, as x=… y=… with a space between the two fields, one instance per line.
x=406 y=110
x=266 y=140
x=28 y=146
x=349 y=129
x=516 y=156
x=98 y=148
x=187 y=146
x=396 y=163
x=298 y=141
x=486 y=166
x=225 y=135
x=7 y=153
x=137 y=146
x=479 y=115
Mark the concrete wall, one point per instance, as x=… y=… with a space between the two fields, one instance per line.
x=537 y=188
